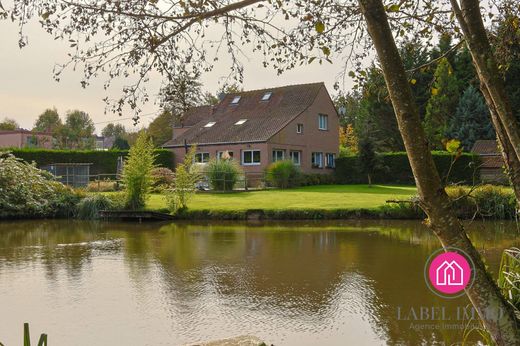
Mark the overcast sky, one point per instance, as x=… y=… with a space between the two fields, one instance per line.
x=28 y=88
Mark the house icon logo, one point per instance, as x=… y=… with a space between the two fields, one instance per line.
x=448 y=272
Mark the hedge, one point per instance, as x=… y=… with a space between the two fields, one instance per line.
x=104 y=162
x=395 y=169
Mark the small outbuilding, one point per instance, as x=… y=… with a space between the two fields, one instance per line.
x=492 y=168
x=72 y=174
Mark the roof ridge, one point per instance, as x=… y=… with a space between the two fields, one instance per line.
x=275 y=88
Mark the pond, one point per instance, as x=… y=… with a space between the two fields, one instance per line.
x=305 y=283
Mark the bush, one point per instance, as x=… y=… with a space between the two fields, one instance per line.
x=26 y=191
x=395 y=169
x=89 y=207
x=186 y=176
x=283 y=174
x=317 y=179
x=162 y=178
x=102 y=186
x=103 y=162
x=137 y=170
x=487 y=201
x=223 y=174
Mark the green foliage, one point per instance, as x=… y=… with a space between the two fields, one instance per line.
x=317 y=179
x=509 y=276
x=162 y=179
x=48 y=121
x=487 y=201
x=283 y=174
x=160 y=129
x=77 y=132
x=120 y=144
x=137 y=172
x=223 y=174
x=113 y=130
x=8 y=125
x=103 y=162
x=442 y=103
x=26 y=191
x=27 y=337
x=471 y=121
x=396 y=169
x=89 y=207
x=102 y=186
x=368 y=161
x=186 y=176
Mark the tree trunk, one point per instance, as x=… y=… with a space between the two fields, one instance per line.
x=470 y=20
x=369 y=180
x=496 y=314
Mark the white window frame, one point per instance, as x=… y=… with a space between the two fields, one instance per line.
x=323 y=122
x=202 y=154
x=275 y=157
x=252 y=163
x=327 y=162
x=299 y=128
x=299 y=155
x=220 y=153
x=314 y=155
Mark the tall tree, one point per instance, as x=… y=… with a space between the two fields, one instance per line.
x=160 y=129
x=183 y=92
x=496 y=314
x=8 y=124
x=77 y=132
x=442 y=104
x=48 y=121
x=113 y=130
x=471 y=121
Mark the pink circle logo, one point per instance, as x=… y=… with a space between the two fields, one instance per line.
x=448 y=273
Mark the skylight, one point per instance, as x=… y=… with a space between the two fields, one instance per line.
x=267 y=96
x=241 y=121
x=236 y=99
x=211 y=123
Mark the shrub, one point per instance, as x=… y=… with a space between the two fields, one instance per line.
x=186 y=176
x=317 y=179
x=26 y=191
x=137 y=170
x=102 y=186
x=283 y=174
x=162 y=178
x=89 y=207
x=223 y=174
x=487 y=201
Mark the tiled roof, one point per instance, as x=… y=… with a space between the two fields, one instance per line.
x=485 y=147
x=494 y=161
x=264 y=118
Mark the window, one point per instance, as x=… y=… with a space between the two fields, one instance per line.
x=296 y=157
x=221 y=153
x=211 y=123
x=235 y=100
x=250 y=157
x=278 y=155
x=267 y=96
x=323 y=122
x=299 y=128
x=317 y=160
x=330 y=160
x=241 y=121
x=201 y=157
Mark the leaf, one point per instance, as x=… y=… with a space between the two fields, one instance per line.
x=413 y=81
x=320 y=27
x=311 y=59
x=435 y=91
x=452 y=146
x=46 y=15
x=393 y=8
x=326 y=50
x=352 y=74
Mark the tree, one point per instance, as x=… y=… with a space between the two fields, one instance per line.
x=183 y=189
x=48 y=121
x=182 y=93
x=367 y=159
x=137 y=172
x=160 y=129
x=496 y=314
x=120 y=144
x=471 y=121
x=442 y=104
x=77 y=132
x=8 y=125
x=113 y=130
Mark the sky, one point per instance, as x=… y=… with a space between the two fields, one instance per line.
x=27 y=86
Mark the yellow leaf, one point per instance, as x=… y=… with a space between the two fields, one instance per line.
x=413 y=81
x=435 y=91
x=320 y=27
x=452 y=145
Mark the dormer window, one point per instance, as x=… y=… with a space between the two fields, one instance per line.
x=241 y=121
x=235 y=100
x=267 y=96
x=211 y=123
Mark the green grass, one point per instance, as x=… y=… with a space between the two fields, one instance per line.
x=311 y=197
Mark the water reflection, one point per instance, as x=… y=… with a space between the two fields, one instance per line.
x=289 y=283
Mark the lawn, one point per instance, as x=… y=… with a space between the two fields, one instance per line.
x=310 y=197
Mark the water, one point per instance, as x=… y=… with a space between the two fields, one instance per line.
x=337 y=283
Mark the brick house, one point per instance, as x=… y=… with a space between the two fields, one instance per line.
x=492 y=163
x=297 y=122
x=21 y=138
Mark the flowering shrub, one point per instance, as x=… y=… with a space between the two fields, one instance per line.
x=26 y=191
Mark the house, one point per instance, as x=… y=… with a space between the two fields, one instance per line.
x=296 y=122
x=492 y=163
x=104 y=143
x=21 y=138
